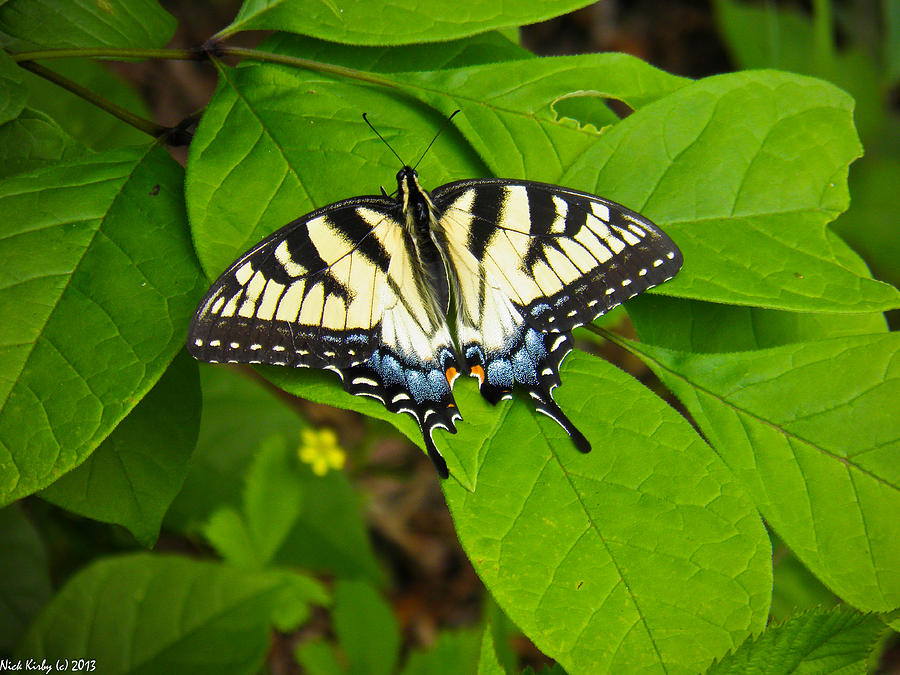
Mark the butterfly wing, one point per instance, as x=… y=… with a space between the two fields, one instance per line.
x=337 y=289
x=530 y=263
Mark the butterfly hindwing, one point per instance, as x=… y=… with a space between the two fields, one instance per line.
x=533 y=261
x=338 y=289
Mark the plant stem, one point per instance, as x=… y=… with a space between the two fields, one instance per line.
x=615 y=338
x=113 y=53
x=126 y=116
x=316 y=66
x=823 y=42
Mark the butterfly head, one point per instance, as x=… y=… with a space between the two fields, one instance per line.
x=415 y=201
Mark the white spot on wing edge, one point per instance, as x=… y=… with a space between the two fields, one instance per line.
x=600 y=210
x=365 y=380
x=243 y=273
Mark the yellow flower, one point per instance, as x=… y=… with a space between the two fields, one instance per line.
x=320 y=450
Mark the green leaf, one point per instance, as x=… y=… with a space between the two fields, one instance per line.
x=228 y=534
x=751 y=222
x=583 y=553
x=396 y=23
x=96 y=297
x=24 y=576
x=485 y=48
x=84 y=121
x=488 y=663
x=272 y=499
x=13 y=92
x=26 y=24
x=366 y=629
x=455 y=652
x=33 y=140
x=509 y=110
x=293 y=606
x=328 y=535
x=811 y=430
x=835 y=641
x=133 y=476
x=317 y=658
x=695 y=326
x=174 y=614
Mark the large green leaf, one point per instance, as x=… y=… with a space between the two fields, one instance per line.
x=485 y=48
x=95 y=298
x=33 y=140
x=395 y=23
x=821 y=642
x=132 y=478
x=155 y=614
x=26 y=24
x=582 y=551
x=509 y=110
x=811 y=429
x=745 y=170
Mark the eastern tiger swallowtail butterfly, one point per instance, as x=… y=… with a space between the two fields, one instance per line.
x=363 y=287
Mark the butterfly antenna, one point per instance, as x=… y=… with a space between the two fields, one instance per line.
x=443 y=126
x=382 y=140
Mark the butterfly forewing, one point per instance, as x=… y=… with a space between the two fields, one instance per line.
x=304 y=295
x=563 y=256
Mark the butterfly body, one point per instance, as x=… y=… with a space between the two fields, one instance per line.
x=363 y=287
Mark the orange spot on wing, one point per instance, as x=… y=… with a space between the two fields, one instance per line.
x=451 y=375
x=478 y=372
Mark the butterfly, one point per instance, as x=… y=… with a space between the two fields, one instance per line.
x=363 y=287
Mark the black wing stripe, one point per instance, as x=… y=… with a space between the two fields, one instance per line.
x=486 y=208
